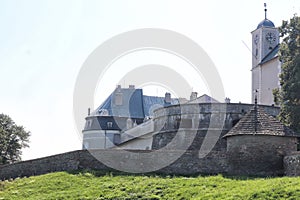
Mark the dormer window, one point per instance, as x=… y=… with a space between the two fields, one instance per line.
x=103 y=112
x=109 y=124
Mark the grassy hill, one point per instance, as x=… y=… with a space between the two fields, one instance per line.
x=94 y=185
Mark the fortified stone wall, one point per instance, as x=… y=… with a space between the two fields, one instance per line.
x=231 y=108
x=171 y=122
x=189 y=119
x=188 y=164
x=195 y=139
x=216 y=162
x=61 y=162
x=292 y=164
x=258 y=155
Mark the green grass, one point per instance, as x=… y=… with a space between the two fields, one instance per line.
x=94 y=185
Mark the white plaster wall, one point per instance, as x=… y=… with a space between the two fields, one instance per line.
x=141 y=143
x=269 y=81
x=142 y=134
x=98 y=139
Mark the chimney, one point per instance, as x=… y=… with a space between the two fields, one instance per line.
x=131 y=87
x=193 y=96
x=168 y=98
x=119 y=88
x=89 y=111
x=118 y=97
x=227 y=100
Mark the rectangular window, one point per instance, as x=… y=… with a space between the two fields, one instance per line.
x=88 y=124
x=117 y=139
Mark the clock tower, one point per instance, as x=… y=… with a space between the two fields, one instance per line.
x=265 y=63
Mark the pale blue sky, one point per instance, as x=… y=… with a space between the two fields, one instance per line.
x=44 y=44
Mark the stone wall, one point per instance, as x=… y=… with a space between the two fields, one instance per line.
x=258 y=155
x=292 y=164
x=235 y=109
x=215 y=162
x=199 y=118
x=194 y=138
x=188 y=164
x=61 y=162
x=176 y=130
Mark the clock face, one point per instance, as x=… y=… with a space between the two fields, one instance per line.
x=256 y=39
x=271 y=37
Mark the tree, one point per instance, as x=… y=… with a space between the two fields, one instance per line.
x=12 y=139
x=288 y=95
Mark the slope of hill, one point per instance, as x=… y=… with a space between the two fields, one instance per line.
x=94 y=185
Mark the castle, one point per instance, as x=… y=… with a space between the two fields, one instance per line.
x=126 y=108
x=212 y=137
x=253 y=141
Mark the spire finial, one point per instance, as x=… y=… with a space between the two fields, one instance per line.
x=265 y=5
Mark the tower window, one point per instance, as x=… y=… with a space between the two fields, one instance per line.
x=88 y=123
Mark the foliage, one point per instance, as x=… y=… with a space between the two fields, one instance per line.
x=12 y=139
x=86 y=185
x=288 y=95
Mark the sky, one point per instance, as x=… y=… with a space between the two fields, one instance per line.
x=45 y=43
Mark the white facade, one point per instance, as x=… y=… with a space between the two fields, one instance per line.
x=265 y=64
x=142 y=134
x=265 y=78
x=98 y=139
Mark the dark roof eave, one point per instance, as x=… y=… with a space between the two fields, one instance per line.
x=273 y=53
x=263 y=62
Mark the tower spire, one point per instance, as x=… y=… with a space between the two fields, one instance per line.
x=265 y=5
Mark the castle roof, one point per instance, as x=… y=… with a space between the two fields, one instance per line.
x=132 y=106
x=258 y=122
x=135 y=104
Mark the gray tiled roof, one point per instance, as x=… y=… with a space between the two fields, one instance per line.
x=135 y=104
x=265 y=125
x=272 y=54
x=132 y=105
x=151 y=103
